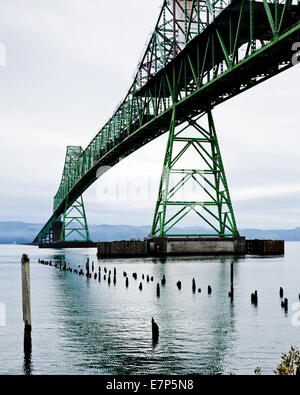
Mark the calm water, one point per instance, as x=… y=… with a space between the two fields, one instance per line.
x=86 y=327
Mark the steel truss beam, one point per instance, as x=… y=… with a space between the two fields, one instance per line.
x=213 y=206
x=75 y=222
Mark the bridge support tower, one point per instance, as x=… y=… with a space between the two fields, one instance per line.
x=193 y=182
x=75 y=223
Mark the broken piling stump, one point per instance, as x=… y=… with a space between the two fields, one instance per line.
x=158 y=290
x=194 y=285
x=155 y=331
x=281 y=292
x=254 y=298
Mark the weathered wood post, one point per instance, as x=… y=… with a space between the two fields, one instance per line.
x=155 y=331
x=281 y=292
x=231 y=293
x=26 y=293
x=285 y=304
x=194 y=285
x=25 y=267
x=158 y=290
x=209 y=290
x=254 y=298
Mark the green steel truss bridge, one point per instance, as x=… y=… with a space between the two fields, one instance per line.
x=201 y=53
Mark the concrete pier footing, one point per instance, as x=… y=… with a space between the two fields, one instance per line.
x=68 y=244
x=160 y=247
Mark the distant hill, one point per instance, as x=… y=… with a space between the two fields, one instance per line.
x=20 y=232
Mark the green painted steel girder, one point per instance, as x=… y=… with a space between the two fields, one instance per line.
x=215 y=208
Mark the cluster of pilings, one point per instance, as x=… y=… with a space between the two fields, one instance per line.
x=111 y=277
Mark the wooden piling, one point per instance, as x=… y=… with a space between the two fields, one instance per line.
x=127 y=282
x=209 y=290
x=158 y=290
x=194 y=285
x=163 y=281
x=179 y=285
x=26 y=295
x=254 y=298
x=285 y=304
x=231 y=281
x=141 y=287
x=155 y=331
x=281 y=292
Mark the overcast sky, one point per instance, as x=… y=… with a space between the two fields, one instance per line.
x=70 y=62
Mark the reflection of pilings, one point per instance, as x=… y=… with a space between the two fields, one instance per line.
x=220 y=317
x=27 y=367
